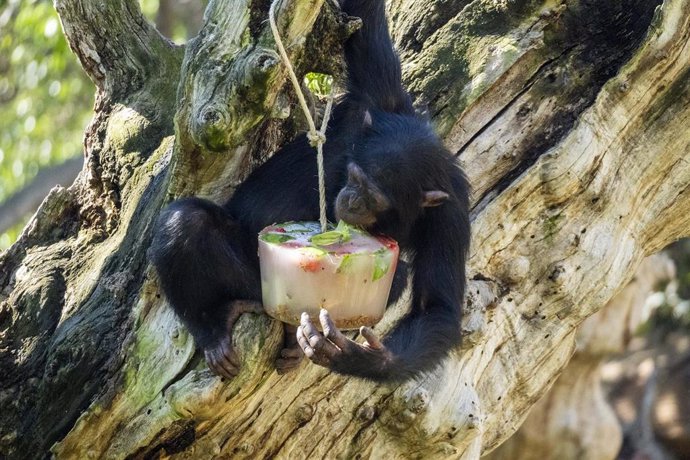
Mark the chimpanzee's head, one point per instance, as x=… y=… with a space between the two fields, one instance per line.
x=362 y=201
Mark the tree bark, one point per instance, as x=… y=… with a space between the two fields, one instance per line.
x=574 y=420
x=570 y=119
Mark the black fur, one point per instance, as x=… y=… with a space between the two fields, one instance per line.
x=206 y=254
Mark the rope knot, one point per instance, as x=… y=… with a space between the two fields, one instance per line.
x=315 y=138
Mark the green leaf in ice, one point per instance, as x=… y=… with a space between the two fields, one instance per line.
x=276 y=238
x=312 y=252
x=327 y=238
x=341 y=234
x=382 y=263
x=344 y=228
x=345 y=264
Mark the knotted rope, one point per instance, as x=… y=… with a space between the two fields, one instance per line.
x=316 y=137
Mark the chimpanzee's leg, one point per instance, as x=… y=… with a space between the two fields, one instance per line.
x=204 y=262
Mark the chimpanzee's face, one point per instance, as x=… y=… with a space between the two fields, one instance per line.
x=361 y=200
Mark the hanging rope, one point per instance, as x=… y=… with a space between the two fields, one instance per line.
x=316 y=137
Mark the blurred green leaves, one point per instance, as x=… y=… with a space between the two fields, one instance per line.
x=320 y=84
x=45 y=98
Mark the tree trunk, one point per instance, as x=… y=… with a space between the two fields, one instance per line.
x=570 y=119
x=574 y=420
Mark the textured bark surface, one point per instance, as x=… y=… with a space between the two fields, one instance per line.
x=569 y=117
x=574 y=420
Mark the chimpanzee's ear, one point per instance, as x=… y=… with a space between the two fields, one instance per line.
x=433 y=198
x=367 y=121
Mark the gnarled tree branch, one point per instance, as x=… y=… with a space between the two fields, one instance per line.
x=115 y=44
x=232 y=76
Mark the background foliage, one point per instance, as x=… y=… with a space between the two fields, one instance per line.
x=45 y=98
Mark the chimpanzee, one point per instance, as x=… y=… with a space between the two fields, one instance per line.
x=387 y=171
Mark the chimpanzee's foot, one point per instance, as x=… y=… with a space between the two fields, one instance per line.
x=291 y=355
x=222 y=358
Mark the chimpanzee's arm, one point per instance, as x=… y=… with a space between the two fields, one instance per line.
x=373 y=67
x=432 y=328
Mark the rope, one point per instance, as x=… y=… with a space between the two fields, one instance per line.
x=316 y=137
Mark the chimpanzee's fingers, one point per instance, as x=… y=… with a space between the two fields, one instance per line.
x=318 y=349
x=219 y=365
x=371 y=338
x=231 y=355
x=226 y=368
x=315 y=356
x=226 y=359
x=331 y=332
x=310 y=331
x=304 y=343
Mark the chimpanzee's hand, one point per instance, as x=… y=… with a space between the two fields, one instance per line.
x=221 y=357
x=340 y=354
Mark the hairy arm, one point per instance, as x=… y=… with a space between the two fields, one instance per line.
x=374 y=77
